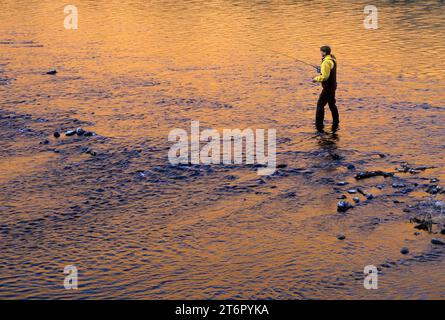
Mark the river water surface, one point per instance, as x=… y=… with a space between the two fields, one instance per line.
x=137 y=227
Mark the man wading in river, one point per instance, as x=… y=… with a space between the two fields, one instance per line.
x=328 y=79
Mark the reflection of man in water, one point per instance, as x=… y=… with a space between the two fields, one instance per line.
x=328 y=79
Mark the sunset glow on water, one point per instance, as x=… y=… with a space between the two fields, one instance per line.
x=138 y=227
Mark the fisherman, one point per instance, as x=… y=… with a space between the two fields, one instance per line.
x=328 y=79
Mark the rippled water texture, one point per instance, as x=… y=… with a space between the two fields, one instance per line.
x=137 y=227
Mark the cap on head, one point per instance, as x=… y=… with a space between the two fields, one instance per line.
x=326 y=49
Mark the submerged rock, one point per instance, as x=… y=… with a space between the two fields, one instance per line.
x=56 y=134
x=341 y=236
x=350 y=167
x=356 y=199
x=291 y=194
x=437 y=241
x=51 y=71
x=89 y=134
x=342 y=183
x=370 y=174
x=46 y=141
x=369 y=196
x=352 y=191
x=343 y=206
x=404 y=250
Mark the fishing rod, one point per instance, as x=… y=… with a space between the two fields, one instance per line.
x=283 y=54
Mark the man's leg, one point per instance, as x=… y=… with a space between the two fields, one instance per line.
x=319 y=116
x=333 y=108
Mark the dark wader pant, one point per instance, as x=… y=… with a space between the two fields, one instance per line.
x=327 y=96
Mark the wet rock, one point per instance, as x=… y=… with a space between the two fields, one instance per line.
x=417 y=233
x=423 y=224
x=89 y=134
x=343 y=206
x=91 y=152
x=342 y=183
x=46 y=141
x=352 y=191
x=398 y=185
x=356 y=199
x=380 y=186
x=70 y=133
x=434 y=180
x=56 y=134
x=369 y=196
x=438 y=204
x=404 y=250
x=437 y=241
x=341 y=236
x=342 y=197
x=51 y=71
x=350 y=167
x=434 y=189
x=370 y=174
x=80 y=131
x=290 y=194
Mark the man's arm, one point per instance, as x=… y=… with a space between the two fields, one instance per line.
x=325 y=72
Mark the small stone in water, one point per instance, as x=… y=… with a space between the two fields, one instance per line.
x=44 y=141
x=398 y=185
x=342 y=183
x=369 y=196
x=351 y=166
x=404 y=250
x=51 y=71
x=341 y=236
x=80 y=131
x=356 y=199
x=438 y=204
x=352 y=191
x=433 y=189
x=70 y=133
x=434 y=180
x=56 y=134
x=89 y=134
x=343 y=206
x=437 y=241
